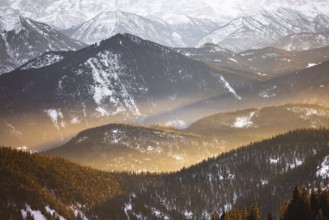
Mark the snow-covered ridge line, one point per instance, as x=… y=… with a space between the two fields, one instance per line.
x=45 y=60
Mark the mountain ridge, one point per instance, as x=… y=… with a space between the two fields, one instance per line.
x=26 y=39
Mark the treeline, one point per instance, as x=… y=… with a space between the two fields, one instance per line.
x=301 y=206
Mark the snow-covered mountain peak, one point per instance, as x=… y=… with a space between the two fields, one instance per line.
x=66 y=14
x=108 y=24
x=321 y=21
x=9 y=23
x=116 y=14
x=23 y=39
x=177 y=19
x=260 y=30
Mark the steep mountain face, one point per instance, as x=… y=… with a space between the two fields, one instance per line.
x=22 y=39
x=118 y=147
x=303 y=41
x=108 y=24
x=252 y=32
x=266 y=171
x=120 y=79
x=321 y=21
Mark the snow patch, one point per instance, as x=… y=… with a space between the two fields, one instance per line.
x=180 y=124
x=26 y=149
x=178 y=157
x=75 y=120
x=109 y=88
x=295 y=163
x=56 y=117
x=234 y=60
x=323 y=169
x=9 y=23
x=307 y=113
x=264 y=182
x=102 y=111
x=261 y=74
x=268 y=93
x=230 y=89
x=274 y=160
x=311 y=65
x=82 y=139
x=244 y=122
x=127 y=208
x=36 y=213
x=77 y=211
x=52 y=212
x=188 y=214
x=156 y=150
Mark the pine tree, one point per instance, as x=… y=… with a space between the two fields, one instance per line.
x=235 y=214
x=29 y=216
x=299 y=205
x=244 y=213
x=254 y=212
x=224 y=216
x=283 y=211
x=320 y=215
x=269 y=216
x=214 y=216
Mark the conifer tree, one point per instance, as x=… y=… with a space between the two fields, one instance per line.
x=214 y=216
x=224 y=216
x=269 y=216
x=244 y=213
x=299 y=205
x=254 y=212
x=320 y=215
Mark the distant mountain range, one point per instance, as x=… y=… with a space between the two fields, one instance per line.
x=264 y=29
x=262 y=64
x=195 y=24
x=249 y=32
x=266 y=171
x=108 y=24
x=66 y=14
x=309 y=85
x=303 y=41
x=25 y=39
x=118 y=147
